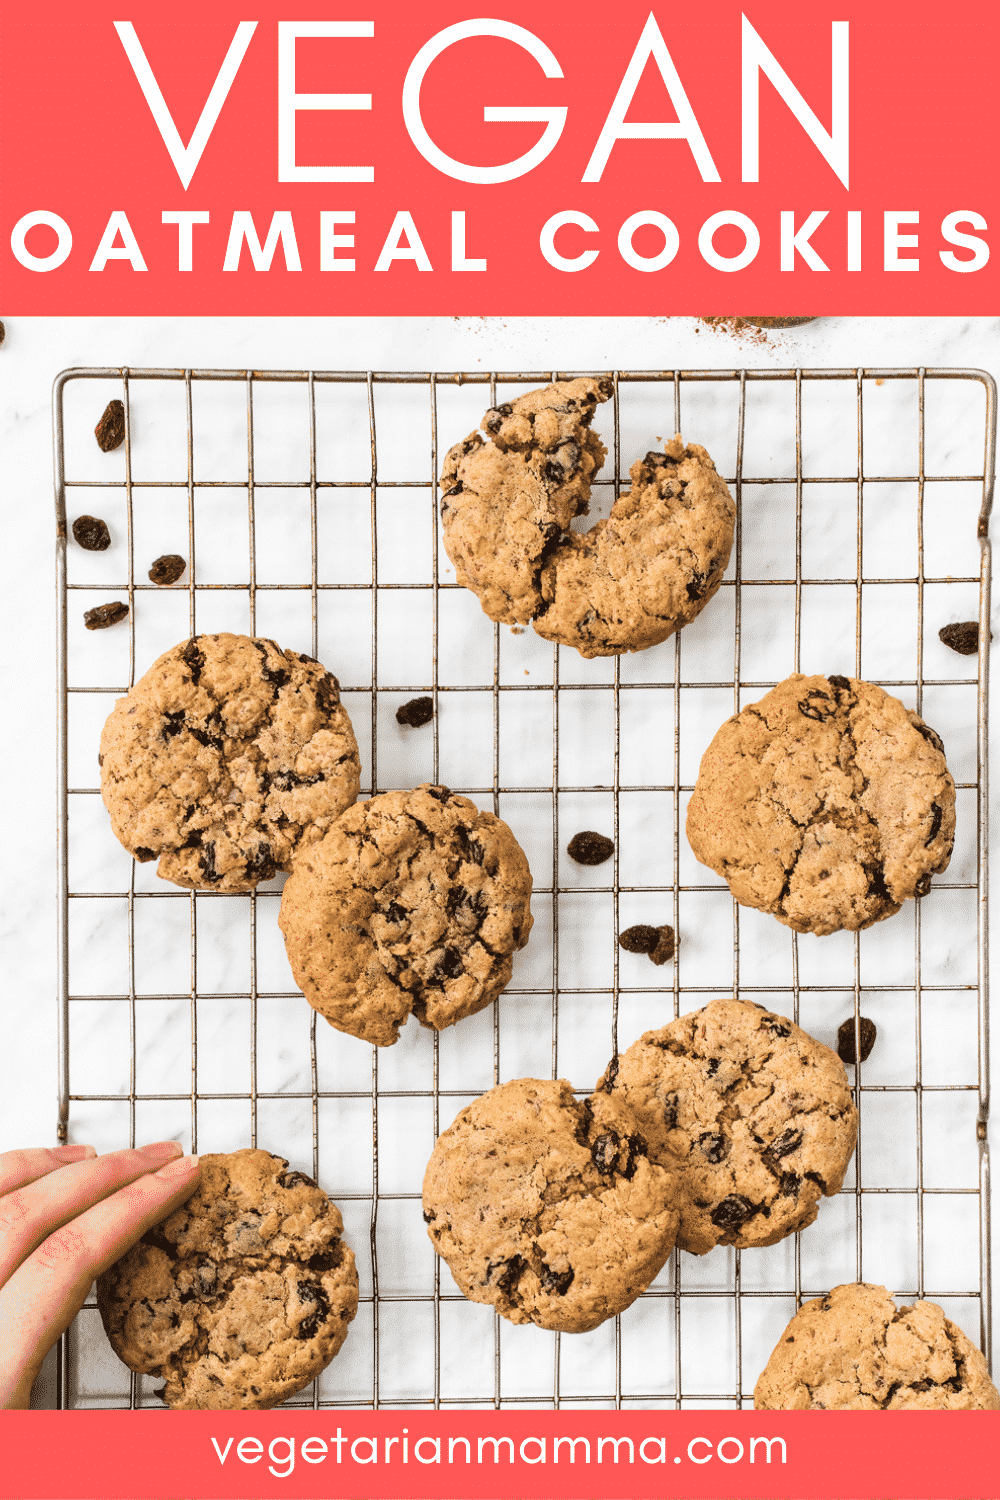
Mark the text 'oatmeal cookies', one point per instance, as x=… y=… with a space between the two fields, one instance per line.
x=549 y=1208
x=224 y=758
x=753 y=1114
x=827 y=804
x=414 y=902
x=629 y=582
x=242 y=1295
x=853 y=1350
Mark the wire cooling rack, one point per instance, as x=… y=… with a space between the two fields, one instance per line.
x=305 y=505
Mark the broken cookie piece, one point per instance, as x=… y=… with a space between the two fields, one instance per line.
x=413 y=902
x=826 y=803
x=854 y=1350
x=627 y=583
x=547 y=1207
x=241 y=1296
x=754 y=1114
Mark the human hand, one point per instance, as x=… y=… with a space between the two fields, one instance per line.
x=65 y=1216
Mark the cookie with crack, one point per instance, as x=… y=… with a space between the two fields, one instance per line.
x=853 y=1350
x=547 y=1208
x=756 y=1115
x=242 y=1296
x=627 y=583
x=827 y=804
x=225 y=757
x=413 y=902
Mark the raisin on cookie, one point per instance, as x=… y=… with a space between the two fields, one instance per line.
x=853 y=1350
x=549 y=1208
x=413 y=902
x=754 y=1115
x=242 y=1296
x=627 y=583
x=827 y=804
x=224 y=758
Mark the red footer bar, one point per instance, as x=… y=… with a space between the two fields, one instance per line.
x=534 y=1455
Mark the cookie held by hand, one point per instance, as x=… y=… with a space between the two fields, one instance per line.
x=242 y=1296
x=413 y=902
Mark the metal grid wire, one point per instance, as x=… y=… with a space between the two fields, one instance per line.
x=729 y=1304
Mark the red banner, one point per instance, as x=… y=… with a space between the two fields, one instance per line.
x=538 y=1455
x=376 y=158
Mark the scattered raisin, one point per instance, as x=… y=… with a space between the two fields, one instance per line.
x=3 y=333
x=167 y=569
x=962 y=637
x=105 y=615
x=657 y=942
x=845 y=1039
x=664 y=950
x=144 y=855
x=590 y=848
x=639 y=939
x=110 y=430
x=937 y=815
x=91 y=533
x=415 y=713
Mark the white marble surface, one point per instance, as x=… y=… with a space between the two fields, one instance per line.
x=35 y=350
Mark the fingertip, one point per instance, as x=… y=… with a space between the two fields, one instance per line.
x=73 y=1153
x=182 y=1166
